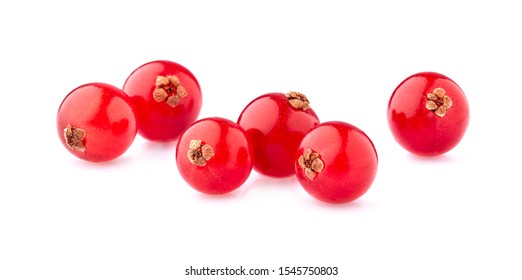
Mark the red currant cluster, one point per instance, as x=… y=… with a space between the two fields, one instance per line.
x=277 y=134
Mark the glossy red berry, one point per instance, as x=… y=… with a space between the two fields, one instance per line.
x=275 y=123
x=214 y=156
x=167 y=98
x=96 y=122
x=336 y=162
x=428 y=114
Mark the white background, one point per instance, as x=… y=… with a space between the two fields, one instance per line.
x=452 y=217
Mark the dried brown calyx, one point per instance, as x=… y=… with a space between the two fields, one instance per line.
x=74 y=138
x=438 y=102
x=311 y=163
x=169 y=89
x=298 y=100
x=199 y=153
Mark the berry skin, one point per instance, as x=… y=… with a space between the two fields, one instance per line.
x=275 y=123
x=96 y=122
x=214 y=156
x=336 y=162
x=428 y=114
x=167 y=98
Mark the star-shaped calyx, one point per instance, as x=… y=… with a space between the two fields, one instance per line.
x=438 y=102
x=199 y=153
x=169 y=89
x=311 y=163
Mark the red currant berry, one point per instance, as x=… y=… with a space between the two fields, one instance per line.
x=428 y=114
x=96 y=122
x=336 y=162
x=275 y=123
x=167 y=98
x=214 y=156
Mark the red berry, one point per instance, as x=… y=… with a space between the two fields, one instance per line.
x=167 y=98
x=214 y=156
x=275 y=123
x=96 y=122
x=336 y=162
x=428 y=114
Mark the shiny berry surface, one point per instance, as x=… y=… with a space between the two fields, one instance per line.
x=336 y=162
x=167 y=98
x=276 y=123
x=214 y=156
x=428 y=114
x=96 y=122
